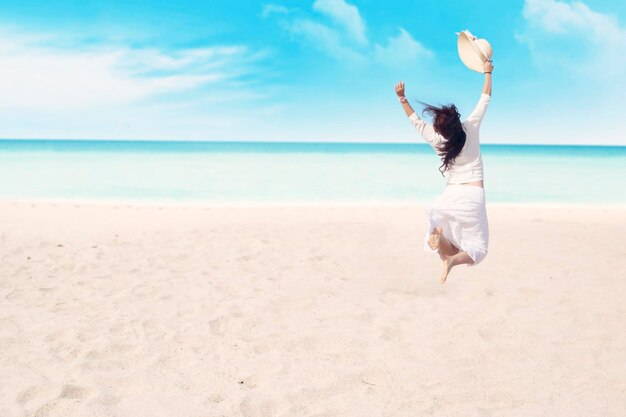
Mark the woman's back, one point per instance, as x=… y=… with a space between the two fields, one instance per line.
x=468 y=165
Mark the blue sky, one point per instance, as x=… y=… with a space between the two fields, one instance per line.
x=318 y=70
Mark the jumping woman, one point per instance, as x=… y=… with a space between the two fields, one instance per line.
x=457 y=221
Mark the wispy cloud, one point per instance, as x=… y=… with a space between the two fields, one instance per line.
x=43 y=72
x=401 y=49
x=270 y=9
x=57 y=86
x=595 y=42
x=325 y=39
x=346 y=15
x=345 y=36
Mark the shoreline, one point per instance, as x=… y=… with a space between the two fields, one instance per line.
x=289 y=204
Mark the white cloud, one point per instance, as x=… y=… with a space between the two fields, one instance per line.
x=325 y=39
x=54 y=86
x=562 y=17
x=270 y=9
x=573 y=35
x=36 y=74
x=348 y=41
x=346 y=15
x=401 y=49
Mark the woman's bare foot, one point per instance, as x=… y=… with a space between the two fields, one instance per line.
x=433 y=240
x=447 y=262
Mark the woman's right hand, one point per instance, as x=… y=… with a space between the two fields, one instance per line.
x=488 y=66
x=400 y=89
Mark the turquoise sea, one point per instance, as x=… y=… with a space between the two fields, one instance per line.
x=239 y=172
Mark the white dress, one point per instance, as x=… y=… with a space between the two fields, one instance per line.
x=460 y=211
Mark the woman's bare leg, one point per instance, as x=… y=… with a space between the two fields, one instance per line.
x=445 y=247
x=438 y=241
x=461 y=258
x=433 y=240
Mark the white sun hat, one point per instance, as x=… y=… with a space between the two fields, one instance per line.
x=474 y=52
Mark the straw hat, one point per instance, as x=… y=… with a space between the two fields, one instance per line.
x=474 y=52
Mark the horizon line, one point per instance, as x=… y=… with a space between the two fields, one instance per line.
x=225 y=142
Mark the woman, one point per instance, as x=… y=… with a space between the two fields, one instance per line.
x=457 y=221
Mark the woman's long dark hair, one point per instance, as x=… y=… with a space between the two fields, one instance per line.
x=447 y=122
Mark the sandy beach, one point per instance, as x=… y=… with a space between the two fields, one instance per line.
x=115 y=310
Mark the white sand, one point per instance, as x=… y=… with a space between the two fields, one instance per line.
x=139 y=311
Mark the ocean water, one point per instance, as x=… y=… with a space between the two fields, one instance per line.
x=223 y=172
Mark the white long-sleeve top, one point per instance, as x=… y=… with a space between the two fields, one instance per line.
x=468 y=165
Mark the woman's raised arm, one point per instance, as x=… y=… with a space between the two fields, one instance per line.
x=488 y=69
x=425 y=129
x=405 y=104
x=476 y=116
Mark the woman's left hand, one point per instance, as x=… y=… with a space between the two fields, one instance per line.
x=400 y=89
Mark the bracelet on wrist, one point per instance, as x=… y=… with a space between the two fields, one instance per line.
x=402 y=99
